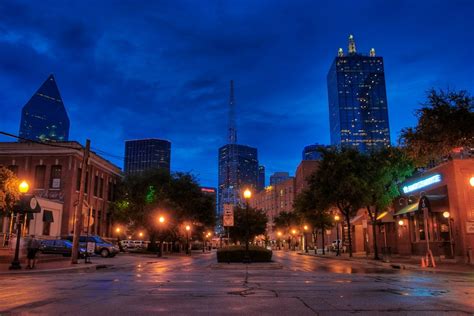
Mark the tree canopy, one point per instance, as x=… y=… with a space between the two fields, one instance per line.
x=257 y=223
x=177 y=197
x=9 y=192
x=445 y=122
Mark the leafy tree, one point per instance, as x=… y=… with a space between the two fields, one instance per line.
x=383 y=171
x=177 y=197
x=257 y=223
x=312 y=212
x=339 y=183
x=285 y=221
x=445 y=122
x=9 y=192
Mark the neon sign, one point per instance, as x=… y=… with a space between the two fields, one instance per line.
x=422 y=183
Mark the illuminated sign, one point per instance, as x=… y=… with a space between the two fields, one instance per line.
x=422 y=183
x=208 y=190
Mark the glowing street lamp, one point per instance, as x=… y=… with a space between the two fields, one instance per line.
x=447 y=215
x=337 y=218
x=247 y=196
x=23 y=187
x=188 y=229
x=471 y=181
x=140 y=234
x=161 y=221
x=401 y=222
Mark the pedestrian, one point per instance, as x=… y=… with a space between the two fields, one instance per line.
x=32 y=248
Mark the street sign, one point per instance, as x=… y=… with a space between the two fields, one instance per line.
x=90 y=247
x=228 y=215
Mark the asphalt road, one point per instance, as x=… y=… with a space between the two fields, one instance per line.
x=294 y=285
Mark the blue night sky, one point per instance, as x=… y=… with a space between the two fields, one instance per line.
x=143 y=69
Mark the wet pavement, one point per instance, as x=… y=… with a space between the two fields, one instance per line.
x=294 y=285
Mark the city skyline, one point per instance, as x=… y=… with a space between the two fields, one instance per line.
x=279 y=68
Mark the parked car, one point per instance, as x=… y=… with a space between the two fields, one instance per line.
x=60 y=247
x=127 y=243
x=102 y=247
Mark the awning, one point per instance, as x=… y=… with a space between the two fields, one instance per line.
x=407 y=209
x=385 y=217
x=357 y=220
x=48 y=216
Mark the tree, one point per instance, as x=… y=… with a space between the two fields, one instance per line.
x=285 y=221
x=9 y=192
x=176 y=196
x=312 y=212
x=257 y=223
x=339 y=183
x=445 y=122
x=383 y=171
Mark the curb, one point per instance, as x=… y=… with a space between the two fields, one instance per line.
x=58 y=270
x=393 y=265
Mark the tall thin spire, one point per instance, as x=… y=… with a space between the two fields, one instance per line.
x=352 y=45
x=232 y=125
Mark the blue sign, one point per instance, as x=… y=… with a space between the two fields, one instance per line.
x=422 y=183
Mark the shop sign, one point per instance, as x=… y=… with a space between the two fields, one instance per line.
x=470 y=227
x=422 y=183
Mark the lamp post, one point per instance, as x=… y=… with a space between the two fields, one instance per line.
x=293 y=232
x=305 y=229
x=279 y=240
x=447 y=215
x=188 y=228
x=15 y=265
x=337 y=218
x=247 y=196
x=161 y=222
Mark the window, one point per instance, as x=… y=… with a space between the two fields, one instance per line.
x=101 y=187
x=47 y=220
x=55 y=181
x=40 y=174
x=96 y=185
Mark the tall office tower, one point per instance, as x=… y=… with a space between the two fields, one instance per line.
x=238 y=165
x=261 y=178
x=279 y=177
x=44 y=117
x=358 y=100
x=311 y=152
x=145 y=154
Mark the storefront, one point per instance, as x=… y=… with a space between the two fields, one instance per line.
x=436 y=212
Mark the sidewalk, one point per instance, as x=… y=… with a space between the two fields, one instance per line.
x=399 y=262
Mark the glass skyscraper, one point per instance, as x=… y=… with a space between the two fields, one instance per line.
x=236 y=174
x=44 y=117
x=311 y=152
x=145 y=154
x=358 y=100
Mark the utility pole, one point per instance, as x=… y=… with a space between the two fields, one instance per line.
x=78 y=210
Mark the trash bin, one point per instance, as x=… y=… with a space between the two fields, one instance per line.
x=386 y=254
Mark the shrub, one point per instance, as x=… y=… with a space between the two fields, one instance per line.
x=237 y=254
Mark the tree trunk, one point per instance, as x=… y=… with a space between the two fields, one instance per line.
x=348 y=220
x=374 y=232
x=322 y=239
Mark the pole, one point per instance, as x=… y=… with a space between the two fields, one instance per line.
x=247 y=255
x=338 y=253
x=16 y=260
x=78 y=210
x=86 y=256
x=450 y=238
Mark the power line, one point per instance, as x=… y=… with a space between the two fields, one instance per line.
x=37 y=142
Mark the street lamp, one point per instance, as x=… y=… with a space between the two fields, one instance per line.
x=279 y=240
x=140 y=234
x=247 y=196
x=293 y=232
x=305 y=228
x=447 y=215
x=337 y=218
x=161 y=222
x=23 y=187
x=188 y=228
x=471 y=181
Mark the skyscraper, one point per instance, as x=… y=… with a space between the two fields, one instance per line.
x=279 y=177
x=261 y=178
x=238 y=165
x=358 y=100
x=145 y=154
x=44 y=117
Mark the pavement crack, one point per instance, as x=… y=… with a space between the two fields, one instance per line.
x=306 y=305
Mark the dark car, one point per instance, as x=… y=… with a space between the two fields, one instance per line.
x=60 y=247
x=102 y=247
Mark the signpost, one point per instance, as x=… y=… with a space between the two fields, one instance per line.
x=228 y=220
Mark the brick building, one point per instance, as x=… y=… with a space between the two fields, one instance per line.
x=54 y=177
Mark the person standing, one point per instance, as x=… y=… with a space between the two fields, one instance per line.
x=32 y=250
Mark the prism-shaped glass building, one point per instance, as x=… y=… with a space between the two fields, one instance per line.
x=44 y=117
